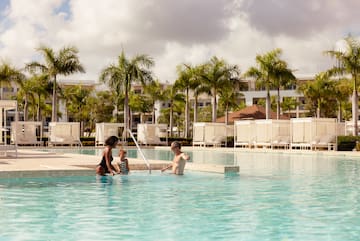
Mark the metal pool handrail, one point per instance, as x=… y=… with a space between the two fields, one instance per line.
x=138 y=147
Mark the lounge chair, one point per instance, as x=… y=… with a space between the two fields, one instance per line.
x=215 y=134
x=324 y=142
x=281 y=142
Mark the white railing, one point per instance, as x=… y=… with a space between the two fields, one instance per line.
x=141 y=153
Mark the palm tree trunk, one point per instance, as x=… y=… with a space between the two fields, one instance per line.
x=171 y=120
x=26 y=109
x=82 y=128
x=195 y=108
x=339 y=112
x=187 y=114
x=38 y=111
x=54 y=104
x=355 y=111
x=129 y=118
x=126 y=110
x=268 y=104
x=153 y=114
x=214 y=107
x=227 y=115
x=1 y=91
x=278 y=104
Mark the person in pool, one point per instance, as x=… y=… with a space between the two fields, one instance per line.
x=105 y=166
x=124 y=163
x=179 y=160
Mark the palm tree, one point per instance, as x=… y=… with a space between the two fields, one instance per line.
x=349 y=63
x=272 y=72
x=185 y=82
x=36 y=89
x=77 y=106
x=103 y=106
x=173 y=96
x=320 y=94
x=26 y=96
x=343 y=89
x=64 y=62
x=154 y=92
x=141 y=104
x=283 y=78
x=198 y=89
x=8 y=75
x=215 y=74
x=229 y=99
x=120 y=77
x=288 y=104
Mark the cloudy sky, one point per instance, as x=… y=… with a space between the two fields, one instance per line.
x=175 y=32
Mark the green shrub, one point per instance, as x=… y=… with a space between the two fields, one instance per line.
x=348 y=143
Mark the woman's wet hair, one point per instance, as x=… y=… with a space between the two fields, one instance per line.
x=112 y=140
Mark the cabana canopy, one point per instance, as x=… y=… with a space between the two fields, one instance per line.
x=105 y=130
x=253 y=112
x=149 y=134
x=314 y=133
x=26 y=132
x=64 y=133
x=208 y=133
x=5 y=106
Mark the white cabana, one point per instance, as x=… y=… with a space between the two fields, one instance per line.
x=244 y=133
x=210 y=134
x=341 y=129
x=64 y=133
x=272 y=133
x=105 y=130
x=5 y=107
x=26 y=133
x=150 y=134
x=198 y=134
x=313 y=133
x=349 y=128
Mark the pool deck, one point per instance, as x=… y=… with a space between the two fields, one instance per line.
x=31 y=163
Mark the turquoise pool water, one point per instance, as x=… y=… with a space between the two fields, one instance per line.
x=275 y=197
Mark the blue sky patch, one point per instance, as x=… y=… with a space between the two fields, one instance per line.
x=64 y=8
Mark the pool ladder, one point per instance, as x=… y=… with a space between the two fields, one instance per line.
x=139 y=149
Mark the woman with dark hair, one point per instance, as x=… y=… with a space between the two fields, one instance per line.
x=105 y=165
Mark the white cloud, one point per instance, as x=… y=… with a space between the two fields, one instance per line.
x=178 y=32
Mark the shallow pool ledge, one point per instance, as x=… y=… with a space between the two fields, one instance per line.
x=231 y=169
x=212 y=168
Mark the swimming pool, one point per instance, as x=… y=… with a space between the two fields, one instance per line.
x=276 y=197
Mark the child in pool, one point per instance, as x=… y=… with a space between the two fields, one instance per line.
x=124 y=163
